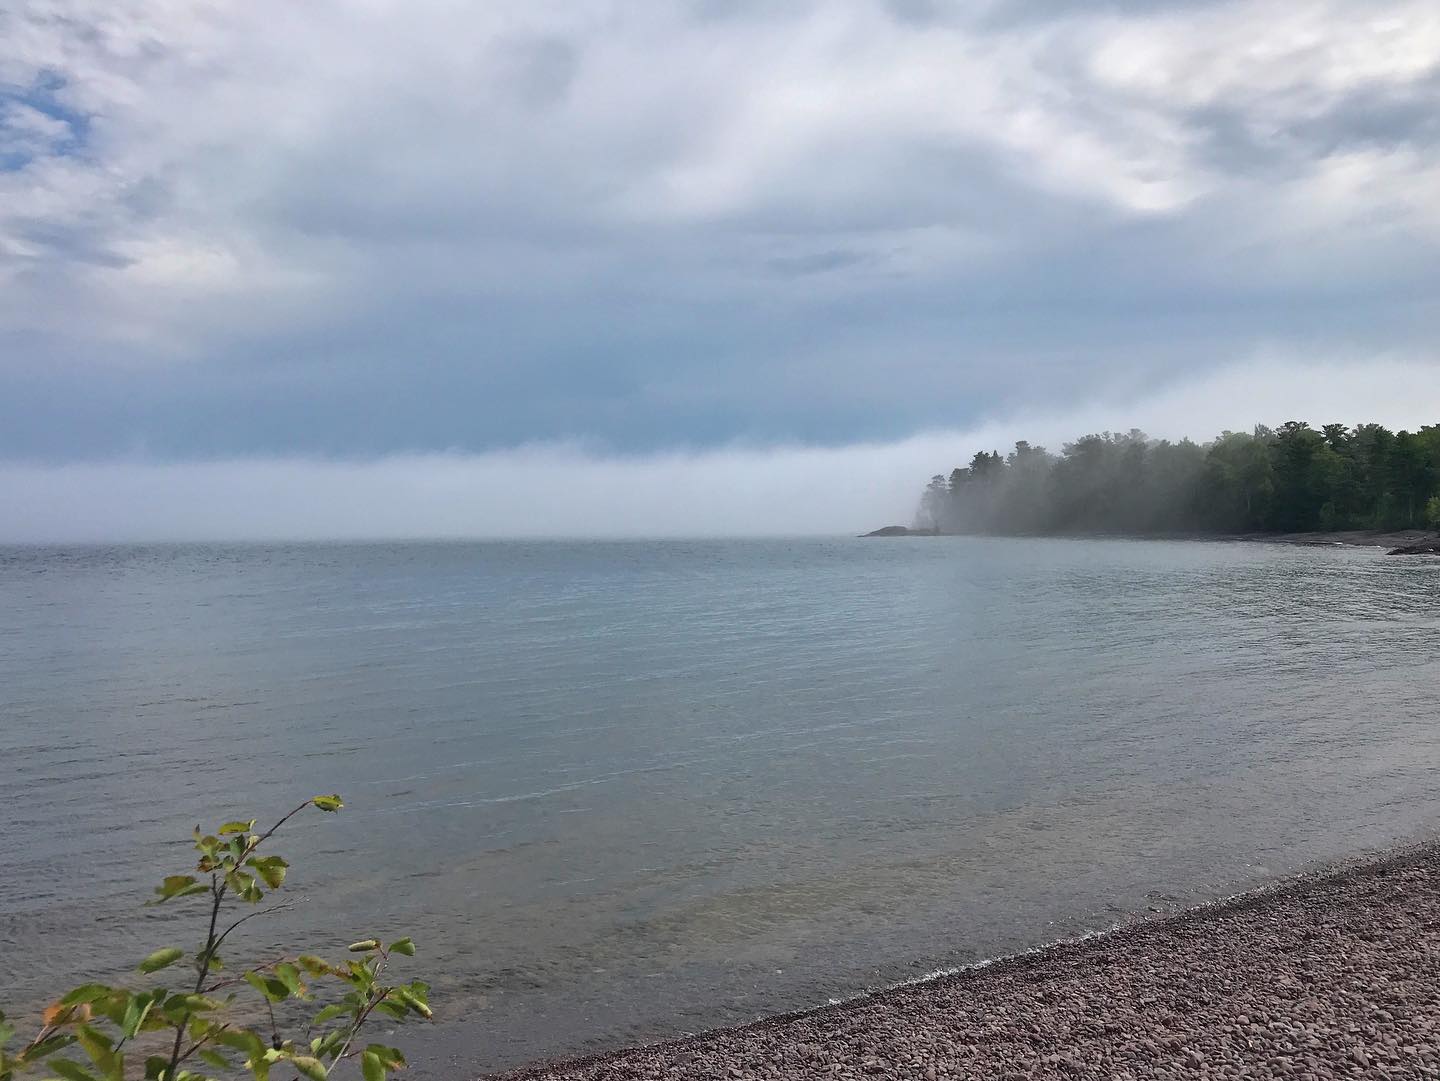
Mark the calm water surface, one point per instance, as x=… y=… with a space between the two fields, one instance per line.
x=619 y=791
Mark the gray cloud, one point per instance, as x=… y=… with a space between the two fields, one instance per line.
x=281 y=229
x=541 y=71
x=818 y=262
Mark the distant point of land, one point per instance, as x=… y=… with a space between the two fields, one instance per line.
x=901 y=531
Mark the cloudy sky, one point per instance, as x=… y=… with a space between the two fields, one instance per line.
x=647 y=240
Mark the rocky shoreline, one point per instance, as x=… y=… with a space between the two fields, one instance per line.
x=1331 y=974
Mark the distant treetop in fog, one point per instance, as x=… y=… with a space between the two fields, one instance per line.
x=1290 y=479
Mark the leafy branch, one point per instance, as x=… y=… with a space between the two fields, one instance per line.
x=195 y=1024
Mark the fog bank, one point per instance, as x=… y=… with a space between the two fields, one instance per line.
x=567 y=490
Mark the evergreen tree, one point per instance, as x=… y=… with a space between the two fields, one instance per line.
x=1290 y=479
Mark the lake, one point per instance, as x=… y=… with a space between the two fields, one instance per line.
x=622 y=790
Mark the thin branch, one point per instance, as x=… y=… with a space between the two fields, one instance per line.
x=217 y=890
x=202 y=1042
x=266 y=835
x=376 y=997
x=280 y=907
x=46 y=1031
x=233 y=980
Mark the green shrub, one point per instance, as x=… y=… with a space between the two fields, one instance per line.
x=202 y=1028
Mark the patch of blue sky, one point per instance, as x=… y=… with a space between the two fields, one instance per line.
x=36 y=122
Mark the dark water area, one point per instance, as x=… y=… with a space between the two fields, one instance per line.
x=620 y=791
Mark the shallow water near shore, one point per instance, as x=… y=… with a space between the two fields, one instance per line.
x=619 y=791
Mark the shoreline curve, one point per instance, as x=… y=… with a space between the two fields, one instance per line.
x=1333 y=972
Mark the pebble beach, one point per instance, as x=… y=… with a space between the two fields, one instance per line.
x=1332 y=974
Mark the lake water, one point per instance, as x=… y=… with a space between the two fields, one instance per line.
x=618 y=791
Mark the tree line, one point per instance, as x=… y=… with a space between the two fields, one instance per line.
x=1290 y=479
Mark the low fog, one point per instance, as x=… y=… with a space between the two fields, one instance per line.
x=568 y=490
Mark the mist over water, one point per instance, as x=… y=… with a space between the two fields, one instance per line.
x=617 y=791
x=575 y=490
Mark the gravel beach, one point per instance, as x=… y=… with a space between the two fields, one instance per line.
x=1332 y=974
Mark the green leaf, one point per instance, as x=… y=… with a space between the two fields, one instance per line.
x=394 y=1009
x=244 y=886
x=364 y=971
x=101 y=1050
x=86 y=992
x=390 y=1056
x=155 y=1066
x=364 y=945
x=237 y=827
x=92 y=1039
x=269 y=986
x=316 y=966
x=312 y=1068
x=161 y=959
x=71 y=1071
x=240 y=1040
x=178 y=886
x=271 y=869
x=182 y=1004
x=329 y=1013
x=113 y=1006
x=48 y=1046
x=403 y=946
x=7 y=1032
x=328 y=803
x=289 y=975
x=371 y=1067
x=136 y=1011
x=97 y=1045
x=216 y=1059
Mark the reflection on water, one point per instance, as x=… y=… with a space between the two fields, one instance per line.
x=622 y=790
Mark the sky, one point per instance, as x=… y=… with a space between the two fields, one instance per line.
x=605 y=268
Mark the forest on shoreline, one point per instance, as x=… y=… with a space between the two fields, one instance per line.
x=1290 y=479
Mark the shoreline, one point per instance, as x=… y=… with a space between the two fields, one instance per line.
x=1388 y=539
x=1333 y=972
